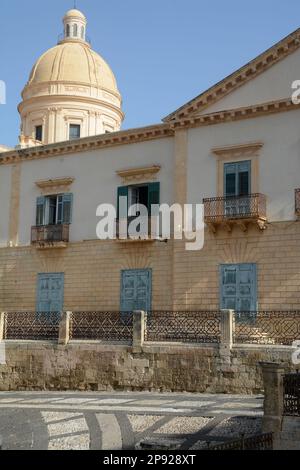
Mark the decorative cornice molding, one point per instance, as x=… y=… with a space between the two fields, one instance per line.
x=248 y=149
x=136 y=174
x=236 y=114
x=67 y=181
x=144 y=134
x=243 y=75
x=132 y=136
x=61 y=98
x=55 y=185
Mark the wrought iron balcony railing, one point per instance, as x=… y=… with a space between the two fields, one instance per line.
x=147 y=230
x=50 y=234
x=297 y=201
x=227 y=210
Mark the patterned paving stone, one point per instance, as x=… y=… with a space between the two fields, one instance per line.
x=81 y=442
x=141 y=423
x=184 y=425
x=70 y=426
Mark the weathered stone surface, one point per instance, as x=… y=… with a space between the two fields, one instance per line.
x=86 y=366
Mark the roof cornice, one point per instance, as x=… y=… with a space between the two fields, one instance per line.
x=238 y=78
x=237 y=114
x=143 y=134
x=131 y=136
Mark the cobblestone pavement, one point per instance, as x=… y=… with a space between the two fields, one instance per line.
x=124 y=420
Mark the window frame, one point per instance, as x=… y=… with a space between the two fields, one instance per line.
x=77 y=126
x=40 y=127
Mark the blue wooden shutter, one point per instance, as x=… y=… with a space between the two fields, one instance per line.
x=238 y=289
x=153 y=194
x=67 y=205
x=228 y=286
x=122 y=191
x=64 y=208
x=246 y=288
x=40 y=210
x=244 y=178
x=50 y=292
x=136 y=287
x=237 y=178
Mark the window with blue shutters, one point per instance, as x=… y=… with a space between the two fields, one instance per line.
x=50 y=292
x=146 y=194
x=237 y=187
x=54 y=209
x=238 y=287
x=136 y=286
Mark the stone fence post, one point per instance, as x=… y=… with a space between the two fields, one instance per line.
x=226 y=334
x=64 y=328
x=2 y=326
x=138 y=337
x=273 y=402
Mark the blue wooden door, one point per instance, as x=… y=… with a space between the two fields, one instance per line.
x=238 y=287
x=50 y=292
x=136 y=285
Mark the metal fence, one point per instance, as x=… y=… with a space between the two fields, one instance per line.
x=105 y=326
x=31 y=325
x=259 y=442
x=266 y=327
x=189 y=327
x=291 y=401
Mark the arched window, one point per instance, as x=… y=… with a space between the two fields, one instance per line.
x=82 y=32
x=68 y=31
x=75 y=30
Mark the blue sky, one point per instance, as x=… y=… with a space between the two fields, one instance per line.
x=163 y=52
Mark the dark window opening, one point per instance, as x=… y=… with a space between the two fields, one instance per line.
x=74 y=131
x=39 y=133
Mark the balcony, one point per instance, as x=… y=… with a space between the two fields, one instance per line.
x=148 y=235
x=297 y=202
x=235 y=210
x=50 y=236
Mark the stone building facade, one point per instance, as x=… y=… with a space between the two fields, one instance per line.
x=236 y=146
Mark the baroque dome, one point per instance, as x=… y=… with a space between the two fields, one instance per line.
x=71 y=91
x=73 y=61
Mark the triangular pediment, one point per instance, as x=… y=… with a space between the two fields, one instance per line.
x=265 y=79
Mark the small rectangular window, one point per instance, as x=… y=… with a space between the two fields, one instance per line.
x=74 y=131
x=39 y=133
x=54 y=210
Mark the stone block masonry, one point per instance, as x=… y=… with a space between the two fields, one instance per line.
x=82 y=365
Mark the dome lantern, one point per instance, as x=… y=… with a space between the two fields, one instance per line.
x=74 y=25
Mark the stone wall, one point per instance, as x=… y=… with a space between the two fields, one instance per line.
x=158 y=366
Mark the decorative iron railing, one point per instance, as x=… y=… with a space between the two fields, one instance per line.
x=297 y=201
x=105 y=326
x=218 y=209
x=147 y=230
x=189 y=327
x=272 y=327
x=50 y=234
x=259 y=442
x=31 y=325
x=291 y=401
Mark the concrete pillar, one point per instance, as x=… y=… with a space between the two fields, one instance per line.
x=139 y=320
x=2 y=326
x=226 y=335
x=64 y=328
x=273 y=402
